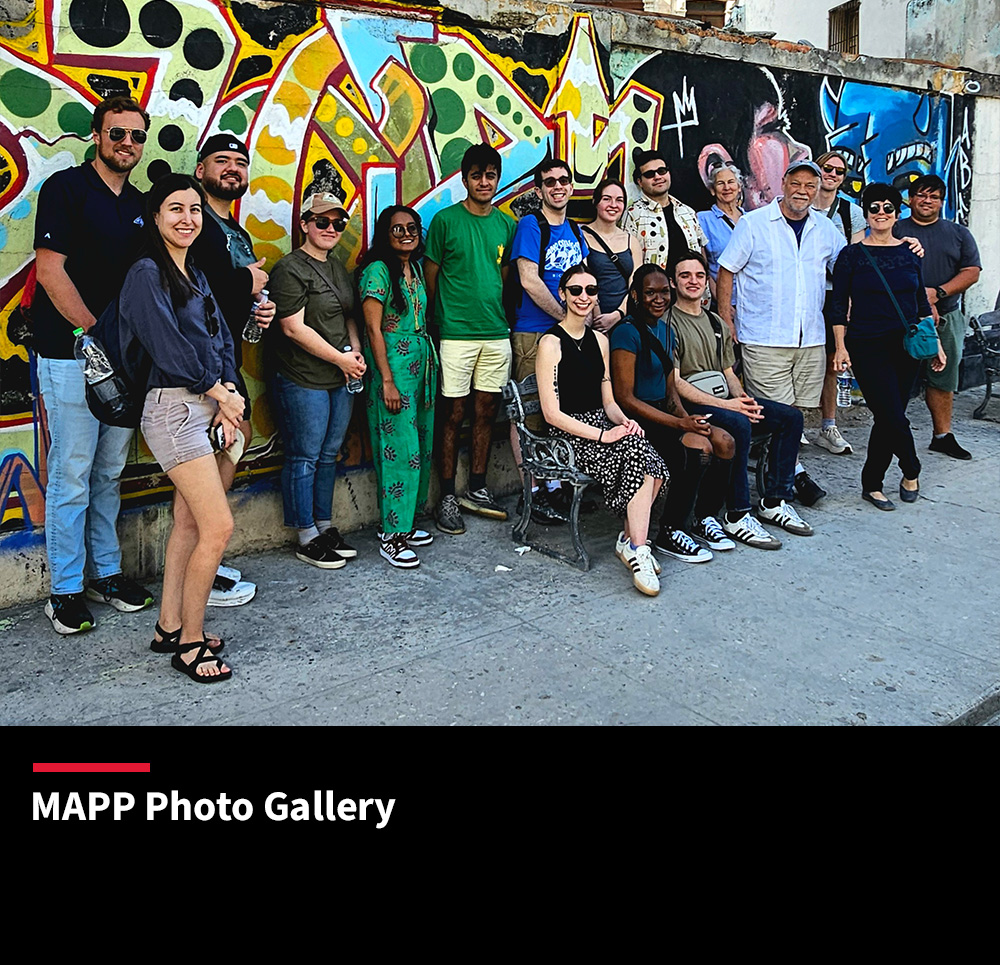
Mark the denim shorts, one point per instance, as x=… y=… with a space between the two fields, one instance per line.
x=175 y=425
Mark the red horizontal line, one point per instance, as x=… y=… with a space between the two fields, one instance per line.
x=91 y=768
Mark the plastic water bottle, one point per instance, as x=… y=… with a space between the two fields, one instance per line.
x=252 y=332
x=98 y=371
x=353 y=385
x=844 y=385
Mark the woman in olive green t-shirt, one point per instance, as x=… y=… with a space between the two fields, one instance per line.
x=315 y=310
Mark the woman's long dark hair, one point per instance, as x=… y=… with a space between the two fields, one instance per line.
x=173 y=279
x=381 y=250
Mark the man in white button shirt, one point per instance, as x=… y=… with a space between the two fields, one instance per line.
x=779 y=256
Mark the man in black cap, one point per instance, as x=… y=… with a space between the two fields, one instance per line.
x=225 y=253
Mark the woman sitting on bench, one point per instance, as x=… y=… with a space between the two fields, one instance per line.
x=574 y=388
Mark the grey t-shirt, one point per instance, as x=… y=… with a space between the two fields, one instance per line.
x=948 y=248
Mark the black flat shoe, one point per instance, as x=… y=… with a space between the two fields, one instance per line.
x=909 y=495
x=886 y=505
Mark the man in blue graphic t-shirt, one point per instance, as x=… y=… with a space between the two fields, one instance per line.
x=540 y=307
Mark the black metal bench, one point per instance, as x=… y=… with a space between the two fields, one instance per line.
x=546 y=459
x=982 y=327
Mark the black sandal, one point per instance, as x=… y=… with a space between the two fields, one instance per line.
x=204 y=656
x=171 y=641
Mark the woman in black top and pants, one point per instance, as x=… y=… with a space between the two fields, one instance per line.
x=871 y=340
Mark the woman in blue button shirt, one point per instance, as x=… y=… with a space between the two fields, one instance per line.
x=726 y=185
x=167 y=305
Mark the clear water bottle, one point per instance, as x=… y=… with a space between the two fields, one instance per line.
x=252 y=332
x=99 y=372
x=353 y=385
x=844 y=385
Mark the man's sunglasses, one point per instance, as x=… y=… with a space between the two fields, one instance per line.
x=881 y=207
x=577 y=290
x=118 y=134
x=410 y=229
x=552 y=182
x=830 y=169
x=657 y=173
x=339 y=224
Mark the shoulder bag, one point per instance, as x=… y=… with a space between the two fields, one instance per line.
x=711 y=381
x=920 y=338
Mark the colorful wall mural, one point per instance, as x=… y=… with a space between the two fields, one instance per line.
x=377 y=103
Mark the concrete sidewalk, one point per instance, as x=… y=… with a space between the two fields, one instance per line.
x=880 y=618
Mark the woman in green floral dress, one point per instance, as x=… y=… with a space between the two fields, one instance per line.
x=402 y=368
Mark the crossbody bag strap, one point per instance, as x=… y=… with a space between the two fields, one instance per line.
x=878 y=271
x=615 y=260
x=717 y=328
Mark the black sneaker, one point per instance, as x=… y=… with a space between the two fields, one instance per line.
x=68 y=613
x=677 y=543
x=482 y=503
x=333 y=540
x=806 y=490
x=948 y=445
x=319 y=554
x=542 y=510
x=120 y=592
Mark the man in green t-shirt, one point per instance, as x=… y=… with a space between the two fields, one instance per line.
x=468 y=247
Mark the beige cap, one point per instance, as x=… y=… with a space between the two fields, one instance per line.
x=321 y=203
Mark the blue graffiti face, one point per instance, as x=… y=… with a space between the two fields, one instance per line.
x=888 y=136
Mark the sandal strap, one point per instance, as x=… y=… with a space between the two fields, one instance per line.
x=205 y=654
x=168 y=637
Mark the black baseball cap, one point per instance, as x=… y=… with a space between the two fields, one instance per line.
x=218 y=143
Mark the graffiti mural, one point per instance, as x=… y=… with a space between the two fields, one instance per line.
x=376 y=103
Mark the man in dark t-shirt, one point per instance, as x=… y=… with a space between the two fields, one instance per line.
x=88 y=229
x=951 y=265
x=224 y=252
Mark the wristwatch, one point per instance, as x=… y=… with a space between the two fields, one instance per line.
x=940 y=292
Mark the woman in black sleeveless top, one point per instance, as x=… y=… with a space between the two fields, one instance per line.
x=575 y=391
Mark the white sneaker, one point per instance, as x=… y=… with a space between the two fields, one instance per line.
x=709 y=532
x=747 y=530
x=227 y=592
x=680 y=546
x=229 y=573
x=620 y=545
x=786 y=517
x=803 y=441
x=832 y=440
x=394 y=548
x=640 y=562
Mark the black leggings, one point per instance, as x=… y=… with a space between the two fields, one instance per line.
x=886 y=374
x=698 y=479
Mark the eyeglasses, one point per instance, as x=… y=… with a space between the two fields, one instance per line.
x=577 y=290
x=552 y=182
x=658 y=173
x=118 y=134
x=830 y=169
x=339 y=224
x=881 y=207
x=929 y=196
x=411 y=229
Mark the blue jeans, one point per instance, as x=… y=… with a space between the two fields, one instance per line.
x=313 y=423
x=82 y=498
x=784 y=422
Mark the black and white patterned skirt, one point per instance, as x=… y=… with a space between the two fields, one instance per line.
x=620 y=467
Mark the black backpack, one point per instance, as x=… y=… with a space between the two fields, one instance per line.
x=513 y=293
x=132 y=365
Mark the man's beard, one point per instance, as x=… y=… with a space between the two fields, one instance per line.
x=120 y=164
x=225 y=190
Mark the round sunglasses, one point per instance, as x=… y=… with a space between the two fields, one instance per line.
x=881 y=207
x=411 y=229
x=118 y=134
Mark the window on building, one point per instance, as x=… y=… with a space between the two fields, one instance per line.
x=844 y=28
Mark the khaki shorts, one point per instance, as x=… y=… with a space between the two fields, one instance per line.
x=951 y=331
x=175 y=426
x=525 y=346
x=792 y=376
x=483 y=365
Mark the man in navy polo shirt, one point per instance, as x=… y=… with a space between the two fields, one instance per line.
x=88 y=229
x=224 y=252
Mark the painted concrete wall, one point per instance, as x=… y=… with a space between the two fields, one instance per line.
x=377 y=102
x=882 y=23
x=957 y=32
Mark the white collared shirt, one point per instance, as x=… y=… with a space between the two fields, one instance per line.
x=781 y=284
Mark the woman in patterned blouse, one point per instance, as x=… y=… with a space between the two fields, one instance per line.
x=402 y=369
